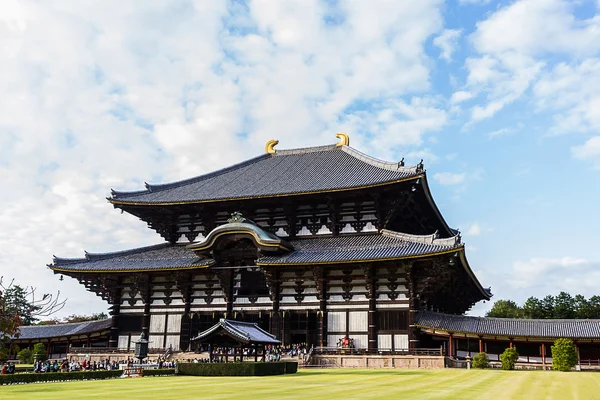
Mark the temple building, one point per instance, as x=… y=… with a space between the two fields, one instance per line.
x=313 y=244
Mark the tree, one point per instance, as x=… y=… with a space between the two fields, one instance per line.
x=564 y=306
x=582 y=307
x=564 y=355
x=481 y=361
x=532 y=308
x=505 y=309
x=84 y=318
x=25 y=356
x=548 y=307
x=19 y=306
x=509 y=358
x=39 y=352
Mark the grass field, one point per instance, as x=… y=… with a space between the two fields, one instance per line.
x=330 y=384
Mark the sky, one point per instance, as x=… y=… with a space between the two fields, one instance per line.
x=500 y=98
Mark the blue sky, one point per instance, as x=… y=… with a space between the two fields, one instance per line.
x=500 y=98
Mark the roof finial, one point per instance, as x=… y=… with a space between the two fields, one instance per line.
x=401 y=163
x=344 y=139
x=269 y=148
x=420 y=166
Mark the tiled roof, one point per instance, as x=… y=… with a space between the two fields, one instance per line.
x=314 y=250
x=245 y=332
x=508 y=327
x=345 y=248
x=62 y=330
x=152 y=258
x=287 y=172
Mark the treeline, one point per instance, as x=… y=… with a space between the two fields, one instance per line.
x=74 y=318
x=562 y=306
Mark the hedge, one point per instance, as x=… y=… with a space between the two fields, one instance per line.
x=57 y=376
x=158 y=372
x=237 y=369
x=291 y=367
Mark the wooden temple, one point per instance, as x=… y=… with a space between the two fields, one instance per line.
x=312 y=245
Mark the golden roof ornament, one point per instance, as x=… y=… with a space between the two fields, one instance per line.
x=270 y=146
x=344 y=139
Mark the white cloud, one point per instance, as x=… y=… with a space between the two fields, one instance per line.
x=447 y=41
x=572 y=93
x=474 y=229
x=514 y=45
x=449 y=178
x=542 y=276
x=590 y=150
x=108 y=94
x=500 y=132
x=460 y=96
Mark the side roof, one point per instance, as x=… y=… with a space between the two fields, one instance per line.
x=508 y=327
x=286 y=172
x=62 y=330
x=245 y=332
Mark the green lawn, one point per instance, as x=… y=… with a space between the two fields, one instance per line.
x=330 y=384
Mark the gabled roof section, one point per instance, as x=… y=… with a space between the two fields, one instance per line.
x=509 y=327
x=236 y=225
x=242 y=332
x=162 y=257
x=286 y=172
x=63 y=330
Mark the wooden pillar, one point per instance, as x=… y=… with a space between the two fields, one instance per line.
x=321 y=283
x=115 y=309
x=451 y=346
x=48 y=348
x=413 y=304
x=511 y=343
x=371 y=281
x=480 y=345
x=255 y=353
x=263 y=353
x=226 y=354
x=274 y=282
x=544 y=355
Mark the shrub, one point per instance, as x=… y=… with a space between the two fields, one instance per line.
x=481 y=361
x=291 y=367
x=158 y=372
x=39 y=352
x=58 y=376
x=236 y=369
x=509 y=358
x=564 y=355
x=25 y=356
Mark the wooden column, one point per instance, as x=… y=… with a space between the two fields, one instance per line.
x=274 y=283
x=371 y=283
x=321 y=283
x=544 y=355
x=480 y=345
x=413 y=331
x=146 y=296
x=451 y=346
x=511 y=343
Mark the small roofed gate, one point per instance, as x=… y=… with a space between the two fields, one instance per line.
x=229 y=338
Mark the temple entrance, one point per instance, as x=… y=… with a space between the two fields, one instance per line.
x=301 y=328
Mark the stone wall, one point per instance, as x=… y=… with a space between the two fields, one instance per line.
x=427 y=362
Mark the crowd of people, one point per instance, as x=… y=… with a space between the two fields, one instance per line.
x=74 y=366
x=8 y=368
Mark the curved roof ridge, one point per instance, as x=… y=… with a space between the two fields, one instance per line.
x=390 y=166
x=305 y=150
x=425 y=239
x=158 y=187
x=102 y=256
